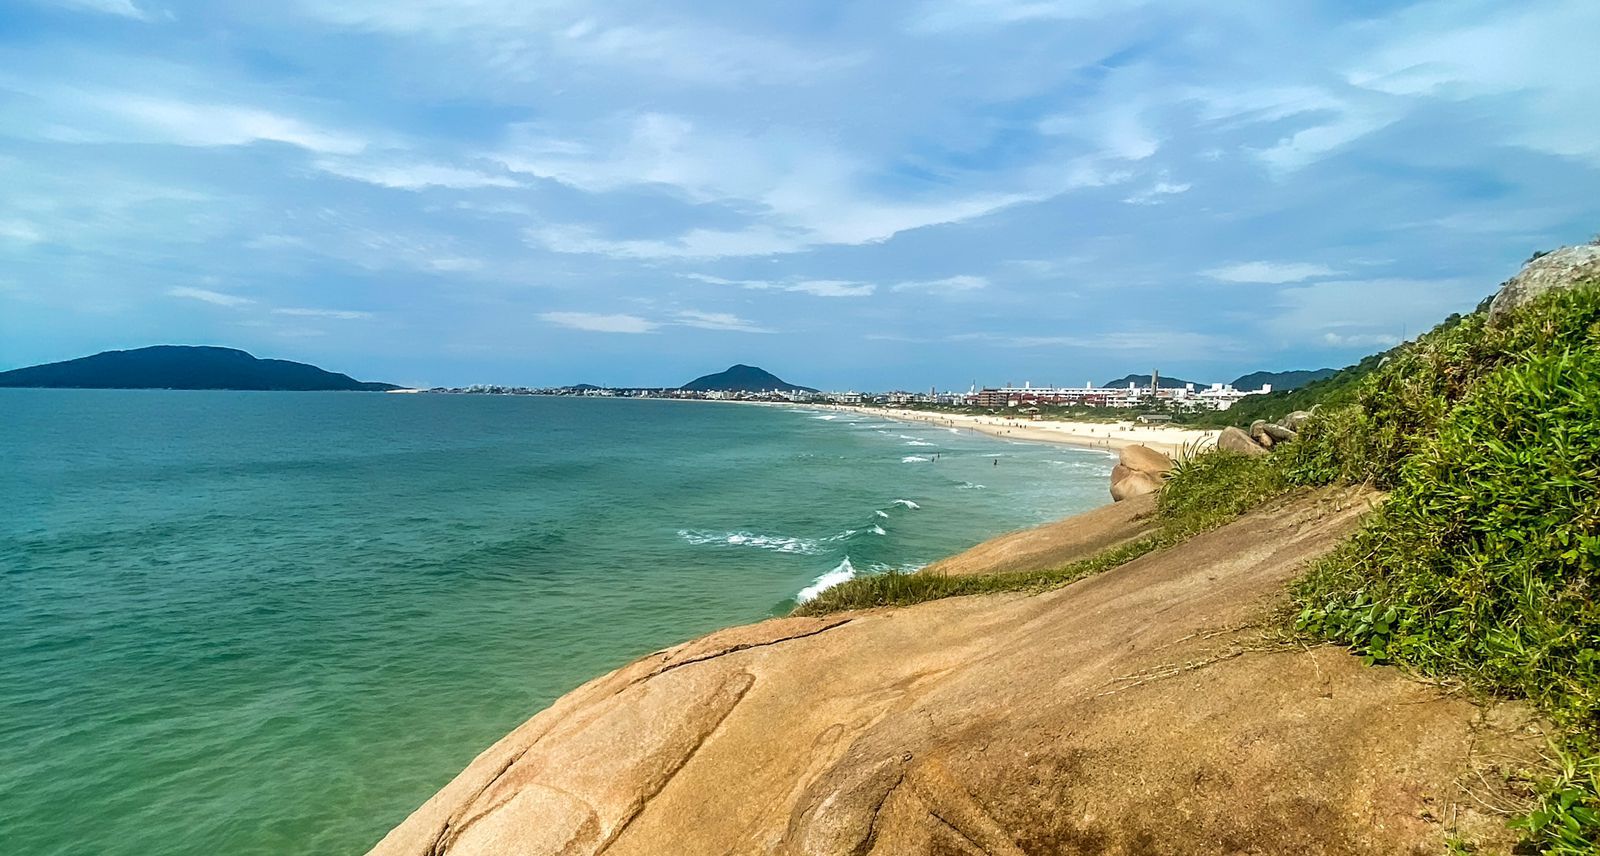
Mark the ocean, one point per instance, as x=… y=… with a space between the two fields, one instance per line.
x=275 y=623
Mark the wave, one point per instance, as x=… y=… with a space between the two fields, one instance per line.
x=907 y=503
x=881 y=513
x=919 y=443
x=826 y=417
x=915 y=459
x=775 y=543
x=877 y=530
x=969 y=486
x=843 y=572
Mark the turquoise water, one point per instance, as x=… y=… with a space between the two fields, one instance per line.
x=273 y=623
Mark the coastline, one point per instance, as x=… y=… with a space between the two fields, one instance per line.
x=1106 y=436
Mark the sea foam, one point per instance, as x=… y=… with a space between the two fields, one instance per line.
x=907 y=503
x=843 y=572
x=776 y=543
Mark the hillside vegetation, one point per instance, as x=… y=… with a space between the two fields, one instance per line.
x=1481 y=568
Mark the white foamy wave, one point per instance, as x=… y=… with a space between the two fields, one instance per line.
x=915 y=459
x=826 y=417
x=877 y=530
x=844 y=572
x=956 y=431
x=881 y=513
x=776 y=543
x=970 y=486
x=907 y=503
x=919 y=443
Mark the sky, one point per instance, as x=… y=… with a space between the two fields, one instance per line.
x=853 y=195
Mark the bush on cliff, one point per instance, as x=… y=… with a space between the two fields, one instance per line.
x=1483 y=565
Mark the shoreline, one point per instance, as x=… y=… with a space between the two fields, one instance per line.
x=1104 y=436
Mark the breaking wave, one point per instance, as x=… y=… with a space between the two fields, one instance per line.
x=843 y=572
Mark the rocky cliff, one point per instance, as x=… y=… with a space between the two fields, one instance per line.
x=1142 y=711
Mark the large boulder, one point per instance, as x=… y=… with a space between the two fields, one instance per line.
x=1236 y=440
x=1144 y=459
x=1280 y=433
x=1296 y=419
x=1552 y=271
x=1136 y=484
x=1139 y=470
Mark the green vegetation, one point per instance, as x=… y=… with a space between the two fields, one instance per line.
x=1482 y=565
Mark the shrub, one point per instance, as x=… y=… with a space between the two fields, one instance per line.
x=1483 y=564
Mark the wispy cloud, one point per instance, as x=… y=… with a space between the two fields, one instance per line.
x=717 y=321
x=599 y=323
x=813 y=287
x=1271 y=273
x=204 y=295
x=339 y=314
x=413 y=175
x=948 y=285
x=120 y=8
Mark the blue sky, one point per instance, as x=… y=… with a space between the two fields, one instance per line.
x=867 y=195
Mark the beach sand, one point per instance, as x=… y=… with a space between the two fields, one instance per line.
x=1094 y=435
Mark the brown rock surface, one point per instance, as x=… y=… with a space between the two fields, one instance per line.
x=1137 y=484
x=1236 y=440
x=1143 y=459
x=1055 y=544
x=1125 y=714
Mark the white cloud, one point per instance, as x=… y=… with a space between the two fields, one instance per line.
x=942 y=15
x=339 y=314
x=599 y=323
x=1157 y=193
x=121 y=8
x=1369 y=312
x=455 y=264
x=1360 y=340
x=832 y=288
x=1119 y=132
x=1534 y=51
x=20 y=231
x=413 y=176
x=814 y=287
x=1272 y=273
x=797 y=192
x=547 y=40
x=950 y=284
x=215 y=298
x=185 y=123
x=717 y=321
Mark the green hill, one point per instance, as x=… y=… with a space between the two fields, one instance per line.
x=183 y=367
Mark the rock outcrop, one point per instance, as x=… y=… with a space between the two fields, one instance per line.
x=1133 y=712
x=1237 y=440
x=1562 y=268
x=1055 y=544
x=1140 y=470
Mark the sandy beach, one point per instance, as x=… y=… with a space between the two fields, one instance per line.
x=1094 y=435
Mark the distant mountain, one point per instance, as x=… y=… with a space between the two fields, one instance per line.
x=183 y=367
x=1143 y=381
x=742 y=378
x=1282 y=381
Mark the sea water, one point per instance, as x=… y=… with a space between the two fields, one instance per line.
x=276 y=623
